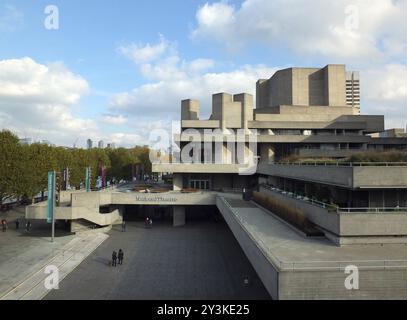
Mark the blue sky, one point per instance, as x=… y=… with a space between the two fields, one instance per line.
x=116 y=70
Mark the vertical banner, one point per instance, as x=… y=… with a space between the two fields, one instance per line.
x=51 y=195
x=87 y=181
x=65 y=185
x=103 y=176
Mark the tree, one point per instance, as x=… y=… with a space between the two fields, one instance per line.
x=10 y=164
x=39 y=160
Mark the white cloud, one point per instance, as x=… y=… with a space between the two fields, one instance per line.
x=114 y=119
x=172 y=79
x=10 y=18
x=336 y=29
x=384 y=91
x=36 y=100
x=369 y=36
x=140 y=53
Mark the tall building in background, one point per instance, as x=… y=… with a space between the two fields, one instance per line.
x=26 y=141
x=111 y=145
x=101 y=144
x=329 y=86
x=353 y=89
x=89 y=144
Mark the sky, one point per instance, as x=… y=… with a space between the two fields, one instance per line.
x=117 y=70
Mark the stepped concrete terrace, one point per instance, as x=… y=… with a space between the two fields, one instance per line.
x=292 y=266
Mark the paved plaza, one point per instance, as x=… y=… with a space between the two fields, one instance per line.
x=199 y=261
x=22 y=253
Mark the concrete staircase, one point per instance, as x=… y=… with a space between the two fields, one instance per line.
x=66 y=260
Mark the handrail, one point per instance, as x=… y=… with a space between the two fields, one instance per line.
x=333 y=207
x=342 y=164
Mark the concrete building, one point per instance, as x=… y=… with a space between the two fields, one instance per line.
x=111 y=145
x=89 y=144
x=300 y=113
x=26 y=141
x=311 y=213
x=101 y=144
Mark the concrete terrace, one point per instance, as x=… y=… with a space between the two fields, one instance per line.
x=294 y=267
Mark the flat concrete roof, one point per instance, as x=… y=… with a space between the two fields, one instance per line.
x=289 y=250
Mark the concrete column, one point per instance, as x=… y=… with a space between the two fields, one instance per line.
x=177 y=182
x=178 y=216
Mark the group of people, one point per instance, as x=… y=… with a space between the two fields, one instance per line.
x=117 y=258
x=17 y=222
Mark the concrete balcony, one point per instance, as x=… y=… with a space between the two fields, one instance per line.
x=200 y=124
x=313 y=139
x=352 y=177
x=353 y=227
x=198 y=168
x=355 y=125
x=340 y=153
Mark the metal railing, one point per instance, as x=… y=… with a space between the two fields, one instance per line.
x=341 y=164
x=333 y=207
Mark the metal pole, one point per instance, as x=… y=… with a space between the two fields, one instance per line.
x=53 y=208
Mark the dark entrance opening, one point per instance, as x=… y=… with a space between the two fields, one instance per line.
x=140 y=212
x=202 y=213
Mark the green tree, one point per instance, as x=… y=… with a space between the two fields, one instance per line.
x=39 y=160
x=10 y=165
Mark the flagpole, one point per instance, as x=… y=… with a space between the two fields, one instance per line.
x=53 y=208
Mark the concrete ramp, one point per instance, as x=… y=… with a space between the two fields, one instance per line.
x=66 y=260
x=292 y=266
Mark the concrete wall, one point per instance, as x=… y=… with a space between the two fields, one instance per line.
x=339 y=176
x=197 y=168
x=198 y=198
x=350 y=228
x=336 y=84
x=349 y=177
x=246 y=101
x=380 y=177
x=39 y=212
x=327 y=220
x=373 y=224
x=280 y=89
x=264 y=268
x=190 y=110
x=322 y=284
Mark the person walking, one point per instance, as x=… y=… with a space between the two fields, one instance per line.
x=124 y=226
x=147 y=222
x=28 y=226
x=4 y=225
x=151 y=223
x=120 y=256
x=17 y=224
x=114 y=259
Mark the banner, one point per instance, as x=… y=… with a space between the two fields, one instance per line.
x=87 y=181
x=51 y=195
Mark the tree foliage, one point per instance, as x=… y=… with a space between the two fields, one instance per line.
x=24 y=168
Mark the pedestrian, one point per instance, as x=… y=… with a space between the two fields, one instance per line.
x=124 y=226
x=147 y=222
x=17 y=224
x=120 y=256
x=4 y=225
x=28 y=226
x=114 y=259
x=151 y=222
